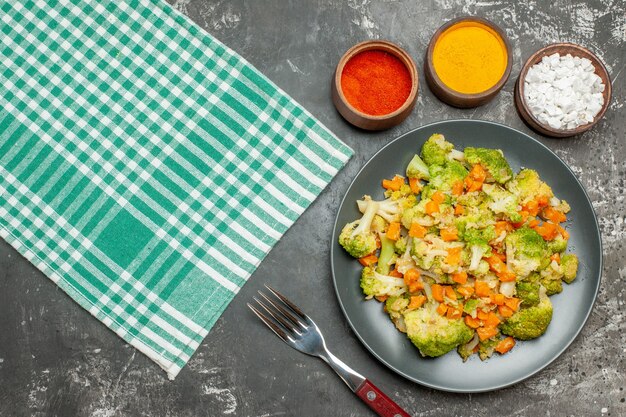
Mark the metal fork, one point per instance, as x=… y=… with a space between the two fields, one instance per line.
x=297 y=329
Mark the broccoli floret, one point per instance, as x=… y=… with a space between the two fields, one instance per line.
x=558 y=244
x=476 y=218
x=551 y=278
x=467 y=349
x=433 y=334
x=400 y=245
x=443 y=177
x=525 y=251
x=470 y=306
x=492 y=160
x=413 y=214
x=569 y=265
x=417 y=169
x=529 y=323
x=436 y=149
x=356 y=237
x=528 y=186
x=473 y=199
x=375 y=284
x=421 y=254
x=486 y=348
x=528 y=290
x=484 y=234
x=552 y=286
x=386 y=256
x=503 y=202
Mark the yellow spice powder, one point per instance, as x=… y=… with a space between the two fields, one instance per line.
x=470 y=57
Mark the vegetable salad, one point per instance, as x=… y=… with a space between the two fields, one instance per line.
x=463 y=252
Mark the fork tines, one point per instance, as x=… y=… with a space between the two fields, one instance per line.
x=287 y=321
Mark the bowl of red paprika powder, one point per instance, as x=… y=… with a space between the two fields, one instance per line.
x=375 y=85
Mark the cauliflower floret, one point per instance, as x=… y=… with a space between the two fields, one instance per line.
x=433 y=334
x=503 y=202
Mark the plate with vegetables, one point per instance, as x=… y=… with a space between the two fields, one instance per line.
x=466 y=256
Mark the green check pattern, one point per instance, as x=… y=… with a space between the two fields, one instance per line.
x=145 y=167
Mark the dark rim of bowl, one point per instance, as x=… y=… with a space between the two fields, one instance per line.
x=509 y=59
x=361 y=47
x=435 y=386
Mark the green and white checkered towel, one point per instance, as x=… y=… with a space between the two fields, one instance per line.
x=145 y=167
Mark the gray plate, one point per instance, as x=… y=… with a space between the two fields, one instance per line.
x=571 y=308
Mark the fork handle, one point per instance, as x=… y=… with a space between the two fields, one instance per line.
x=378 y=401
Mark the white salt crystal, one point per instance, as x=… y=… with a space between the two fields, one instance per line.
x=563 y=92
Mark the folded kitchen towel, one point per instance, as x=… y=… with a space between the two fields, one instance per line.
x=146 y=168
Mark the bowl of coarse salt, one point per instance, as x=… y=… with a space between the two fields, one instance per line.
x=562 y=90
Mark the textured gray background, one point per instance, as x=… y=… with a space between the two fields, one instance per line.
x=56 y=359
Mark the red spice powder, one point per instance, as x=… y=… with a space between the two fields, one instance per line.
x=376 y=82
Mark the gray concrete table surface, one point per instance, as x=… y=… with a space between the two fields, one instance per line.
x=57 y=360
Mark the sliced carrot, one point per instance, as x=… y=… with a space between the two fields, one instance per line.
x=481 y=315
x=449 y=292
x=506 y=275
x=547 y=230
x=416 y=302
x=492 y=320
x=454 y=256
x=459 y=210
x=497 y=299
x=502 y=226
x=382 y=298
x=485 y=333
x=413 y=281
x=533 y=223
x=465 y=291
x=438 y=197
x=437 y=291
x=442 y=309
x=393 y=232
x=431 y=207
x=505 y=345
x=394 y=184
x=478 y=173
x=553 y=215
x=532 y=207
x=556 y=257
x=482 y=289
x=496 y=264
x=454 y=313
x=368 y=260
x=472 y=185
x=472 y=322
x=542 y=201
x=457 y=188
x=512 y=303
x=449 y=234
x=505 y=311
x=562 y=231
x=415 y=185
x=395 y=273
x=502 y=256
x=417 y=230
x=460 y=277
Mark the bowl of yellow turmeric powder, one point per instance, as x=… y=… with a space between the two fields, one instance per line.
x=468 y=61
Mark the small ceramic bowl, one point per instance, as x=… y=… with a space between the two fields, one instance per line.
x=453 y=97
x=562 y=49
x=364 y=120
